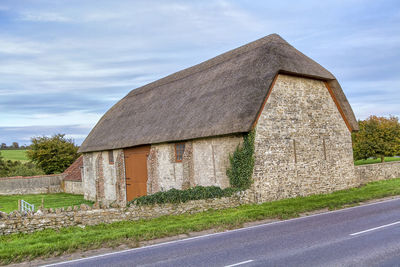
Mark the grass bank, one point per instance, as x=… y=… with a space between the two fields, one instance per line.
x=59 y=200
x=14 y=155
x=19 y=247
x=372 y=161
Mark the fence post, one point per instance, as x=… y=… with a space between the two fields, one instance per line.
x=42 y=203
x=19 y=204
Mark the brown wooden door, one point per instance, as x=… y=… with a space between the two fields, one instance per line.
x=136 y=171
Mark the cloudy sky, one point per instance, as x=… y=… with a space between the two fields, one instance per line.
x=63 y=64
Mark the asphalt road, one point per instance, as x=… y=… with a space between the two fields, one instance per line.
x=361 y=236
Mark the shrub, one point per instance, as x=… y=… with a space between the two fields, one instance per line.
x=25 y=169
x=9 y=168
x=180 y=196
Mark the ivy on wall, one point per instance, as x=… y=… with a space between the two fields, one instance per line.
x=242 y=163
x=239 y=174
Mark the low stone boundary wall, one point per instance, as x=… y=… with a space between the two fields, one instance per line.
x=15 y=222
x=378 y=171
x=73 y=187
x=31 y=184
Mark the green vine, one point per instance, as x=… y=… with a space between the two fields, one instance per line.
x=242 y=163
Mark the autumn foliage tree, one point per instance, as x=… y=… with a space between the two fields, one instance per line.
x=377 y=137
x=53 y=154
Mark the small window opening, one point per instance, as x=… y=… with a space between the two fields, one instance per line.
x=179 y=150
x=110 y=157
x=324 y=146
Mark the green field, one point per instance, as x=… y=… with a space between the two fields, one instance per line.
x=371 y=161
x=19 y=247
x=14 y=155
x=59 y=200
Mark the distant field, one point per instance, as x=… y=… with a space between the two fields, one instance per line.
x=14 y=155
x=371 y=161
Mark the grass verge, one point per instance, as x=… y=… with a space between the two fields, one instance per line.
x=19 y=247
x=59 y=200
x=14 y=155
x=372 y=161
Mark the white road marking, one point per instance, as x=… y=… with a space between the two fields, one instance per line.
x=239 y=263
x=375 y=228
x=219 y=233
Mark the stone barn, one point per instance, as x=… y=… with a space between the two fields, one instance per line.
x=179 y=131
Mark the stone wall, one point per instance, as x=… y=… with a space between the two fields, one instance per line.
x=204 y=163
x=104 y=181
x=31 y=185
x=16 y=222
x=379 y=171
x=302 y=144
x=73 y=187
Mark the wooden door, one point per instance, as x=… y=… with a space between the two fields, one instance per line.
x=136 y=171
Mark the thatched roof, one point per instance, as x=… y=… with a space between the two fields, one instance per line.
x=220 y=96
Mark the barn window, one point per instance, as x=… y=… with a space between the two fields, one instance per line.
x=110 y=157
x=179 y=150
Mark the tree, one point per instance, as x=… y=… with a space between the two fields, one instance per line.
x=377 y=137
x=3 y=145
x=54 y=154
x=15 y=145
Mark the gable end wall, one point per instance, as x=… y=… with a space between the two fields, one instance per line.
x=302 y=144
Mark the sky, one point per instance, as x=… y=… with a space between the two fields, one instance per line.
x=64 y=63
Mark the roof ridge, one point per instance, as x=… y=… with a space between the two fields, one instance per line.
x=219 y=59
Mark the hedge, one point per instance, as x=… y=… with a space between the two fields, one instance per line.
x=179 y=196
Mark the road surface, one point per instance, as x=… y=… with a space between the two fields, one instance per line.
x=367 y=235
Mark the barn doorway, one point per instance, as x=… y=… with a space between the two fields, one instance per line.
x=136 y=171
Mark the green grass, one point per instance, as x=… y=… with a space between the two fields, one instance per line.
x=14 y=155
x=19 y=247
x=59 y=200
x=371 y=161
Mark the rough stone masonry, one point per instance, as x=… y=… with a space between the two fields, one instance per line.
x=302 y=143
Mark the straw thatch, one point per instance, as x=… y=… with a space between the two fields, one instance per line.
x=220 y=96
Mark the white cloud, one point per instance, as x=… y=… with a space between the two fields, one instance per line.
x=18 y=46
x=46 y=119
x=44 y=17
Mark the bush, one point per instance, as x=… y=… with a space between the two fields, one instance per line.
x=378 y=137
x=54 y=154
x=242 y=163
x=180 y=196
x=25 y=169
x=10 y=168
